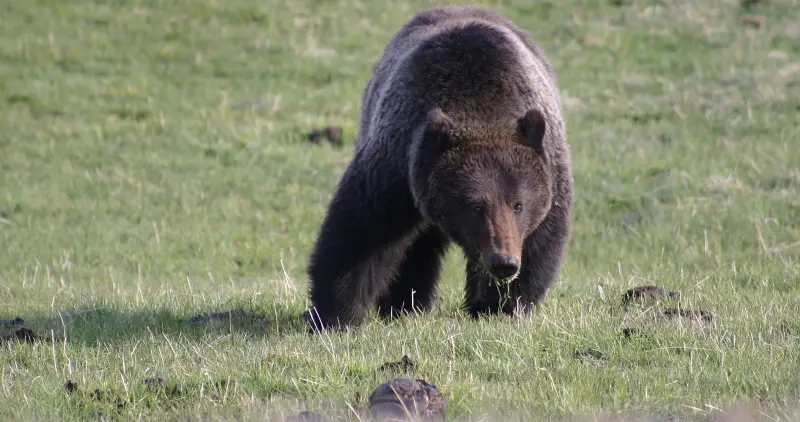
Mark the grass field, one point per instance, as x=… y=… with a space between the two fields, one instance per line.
x=153 y=168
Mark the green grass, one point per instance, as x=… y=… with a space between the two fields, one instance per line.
x=152 y=167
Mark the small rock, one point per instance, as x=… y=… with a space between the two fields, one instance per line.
x=399 y=398
x=405 y=364
x=99 y=395
x=700 y=315
x=642 y=293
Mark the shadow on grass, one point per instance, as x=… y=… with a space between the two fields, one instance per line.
x=95 y=326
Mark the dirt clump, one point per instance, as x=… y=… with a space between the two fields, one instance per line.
x=643 y=293
x=159 y=385
x=330 y=134
x=71 y=386
x=630 y=332
x=224 y=383
x=14 y=330
x=696 y=314
x=407 y=399
x=102 y=396
x=23 y=335
x=405 y=364
x=108 y=396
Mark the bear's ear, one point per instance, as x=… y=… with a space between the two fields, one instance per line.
x=532 y=126
x=438 y=128
x=426 y=152
x=438 y=121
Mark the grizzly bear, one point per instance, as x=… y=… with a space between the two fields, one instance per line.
x=461 y=140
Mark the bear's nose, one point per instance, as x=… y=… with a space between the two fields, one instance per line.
x=504 y=267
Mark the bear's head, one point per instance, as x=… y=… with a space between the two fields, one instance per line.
x=488 y=195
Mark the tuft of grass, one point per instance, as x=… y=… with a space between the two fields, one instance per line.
x=153 y=168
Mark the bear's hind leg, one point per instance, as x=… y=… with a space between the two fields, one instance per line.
x=363 y=238
x=414 y=288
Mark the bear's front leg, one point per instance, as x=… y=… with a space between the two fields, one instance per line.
x=542 y=255
x=369 y=225
x=414 y=288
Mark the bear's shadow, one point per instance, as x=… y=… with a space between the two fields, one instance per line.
x=99 y=325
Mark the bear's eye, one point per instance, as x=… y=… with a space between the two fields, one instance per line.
x=517 y=207
x=478 y=209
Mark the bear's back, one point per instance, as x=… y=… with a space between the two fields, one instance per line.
x=477 y=66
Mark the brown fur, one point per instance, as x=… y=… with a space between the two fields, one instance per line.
x=462 y=140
